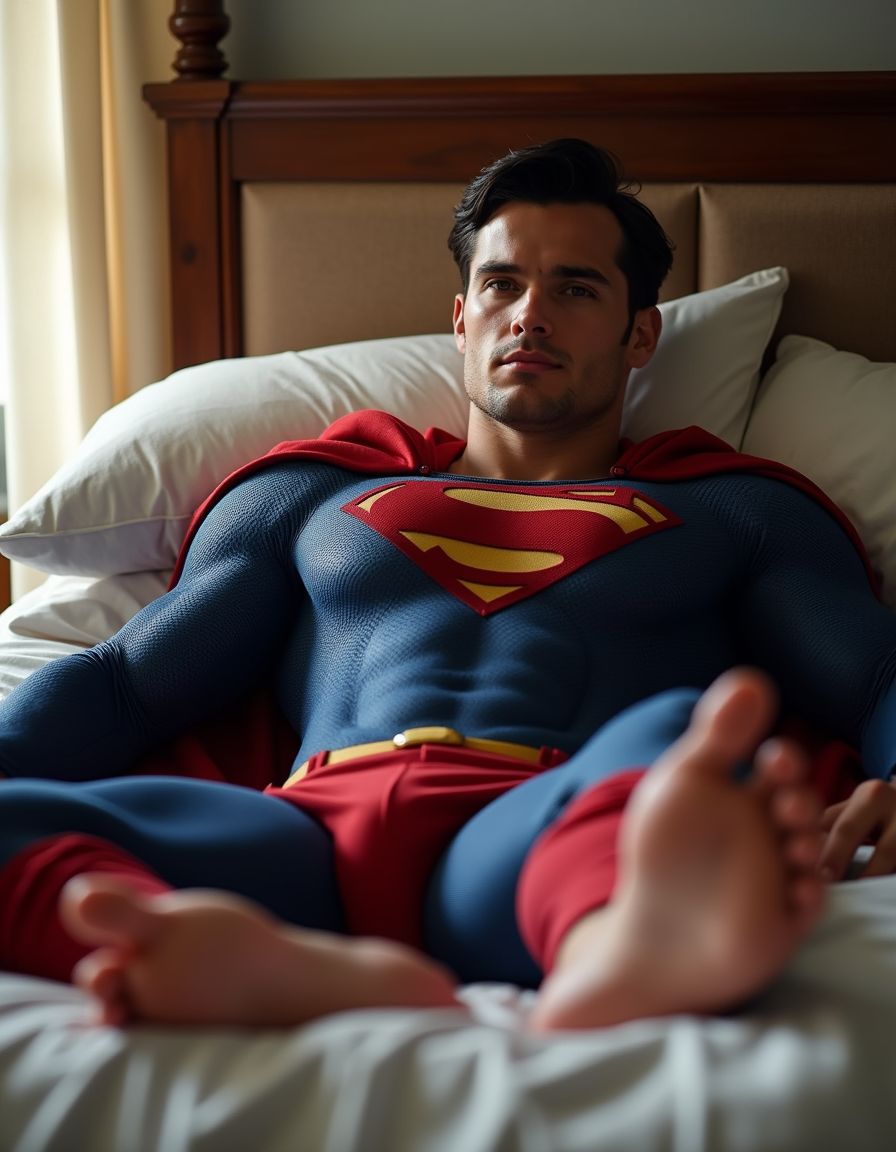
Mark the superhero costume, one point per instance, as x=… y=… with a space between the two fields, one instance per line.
x=375 y=641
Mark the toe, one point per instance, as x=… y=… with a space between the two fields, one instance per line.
x=99 y=909
x=804 y=851
x=728 y=722
x=795 y=810
x=101 y=973
x=806 y=900
x=780 y=762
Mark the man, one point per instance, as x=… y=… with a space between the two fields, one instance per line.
x=534 y=613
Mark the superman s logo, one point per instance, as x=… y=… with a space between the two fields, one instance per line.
x=492 y=545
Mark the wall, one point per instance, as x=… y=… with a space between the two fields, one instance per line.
x=315 y=38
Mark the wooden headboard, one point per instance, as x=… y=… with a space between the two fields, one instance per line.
x=714 y=150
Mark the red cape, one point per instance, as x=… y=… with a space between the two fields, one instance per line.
x=255 y=747
x=375 y=442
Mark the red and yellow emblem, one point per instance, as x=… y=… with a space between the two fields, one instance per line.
x=492 y=545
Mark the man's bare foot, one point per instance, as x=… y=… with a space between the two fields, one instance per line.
x=718 y=880
x=201 y=957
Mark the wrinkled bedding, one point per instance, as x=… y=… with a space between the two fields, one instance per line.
x=810 y=1065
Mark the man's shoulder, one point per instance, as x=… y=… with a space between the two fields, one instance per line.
x=368 y=442
x=692 y=453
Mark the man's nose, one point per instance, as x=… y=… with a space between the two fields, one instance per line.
x=531 y=316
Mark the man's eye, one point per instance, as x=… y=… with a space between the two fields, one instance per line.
x=498 y=285
x=582 y=291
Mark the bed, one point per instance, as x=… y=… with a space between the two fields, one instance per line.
x=779 y=192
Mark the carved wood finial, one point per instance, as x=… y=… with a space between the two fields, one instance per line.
x=199 y=25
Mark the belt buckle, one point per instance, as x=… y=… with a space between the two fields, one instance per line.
x=432 y=734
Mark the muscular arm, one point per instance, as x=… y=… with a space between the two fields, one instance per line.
x=808 y=614
x=93 y=714
x=813 y=615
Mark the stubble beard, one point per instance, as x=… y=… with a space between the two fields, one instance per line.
x=525 y=408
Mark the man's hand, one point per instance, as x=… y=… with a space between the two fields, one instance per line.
x=867 y=817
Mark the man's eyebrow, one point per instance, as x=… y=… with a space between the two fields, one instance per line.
x=496 y=267
x=560 y=271
x=580 y=272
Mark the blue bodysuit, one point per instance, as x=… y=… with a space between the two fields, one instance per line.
x=579 y=618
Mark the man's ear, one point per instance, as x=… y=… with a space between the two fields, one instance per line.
x=459 y=334
x=644 y=336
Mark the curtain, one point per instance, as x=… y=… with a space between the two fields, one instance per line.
x=83 y=223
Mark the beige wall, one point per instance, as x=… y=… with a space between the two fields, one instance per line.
x=316 y=38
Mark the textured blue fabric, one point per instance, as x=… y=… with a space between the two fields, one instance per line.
x=365 y=643
x=469 y=917
x=191 y=833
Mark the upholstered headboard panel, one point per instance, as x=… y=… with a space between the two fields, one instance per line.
x=324 y=263
x=327 y=262
x=838 y=242
x=309 y=212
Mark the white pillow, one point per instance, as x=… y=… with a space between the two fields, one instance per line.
x=831 y=415
x=706 y=369
x=123 y=503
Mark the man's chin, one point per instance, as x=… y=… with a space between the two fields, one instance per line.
x=527 y=412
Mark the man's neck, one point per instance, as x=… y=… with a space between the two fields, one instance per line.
x=502 y=453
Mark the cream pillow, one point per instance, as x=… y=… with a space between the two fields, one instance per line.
x=123 y=503
x=706 y=369
x=832 y=415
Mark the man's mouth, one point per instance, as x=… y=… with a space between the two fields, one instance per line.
x=528 y=362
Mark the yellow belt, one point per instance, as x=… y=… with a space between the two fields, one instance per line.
x=413 y=738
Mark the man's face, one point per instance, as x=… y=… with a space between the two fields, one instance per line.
x=541 y=325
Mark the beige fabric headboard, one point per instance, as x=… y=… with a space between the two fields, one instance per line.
x=324 y=263
x=312 y=211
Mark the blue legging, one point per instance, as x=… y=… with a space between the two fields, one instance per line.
x=191 y=833
x=194 y=833
x=469 y=916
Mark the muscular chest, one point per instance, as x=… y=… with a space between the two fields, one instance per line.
x=489 y=547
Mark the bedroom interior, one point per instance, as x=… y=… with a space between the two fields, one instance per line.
x=779 y=191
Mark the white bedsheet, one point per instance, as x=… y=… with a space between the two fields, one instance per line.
x=808 y=1067
x=811 y=1065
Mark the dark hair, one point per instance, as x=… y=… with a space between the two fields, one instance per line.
x=568 y=171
